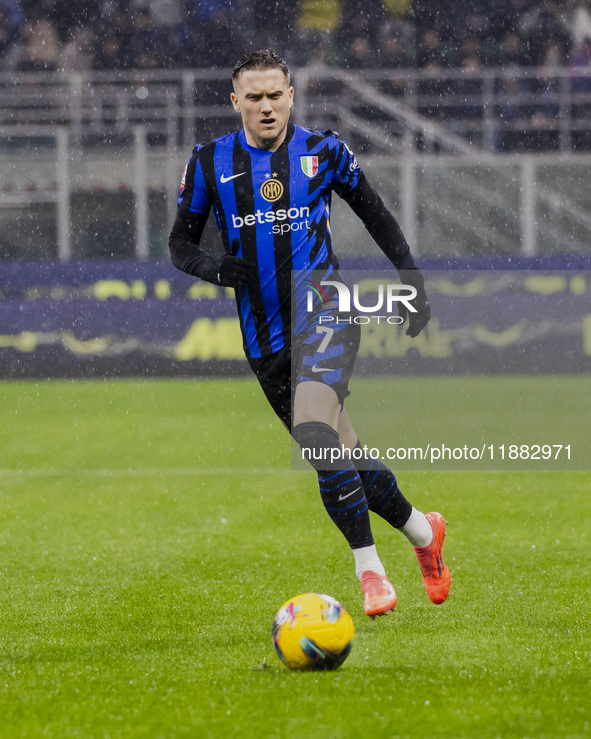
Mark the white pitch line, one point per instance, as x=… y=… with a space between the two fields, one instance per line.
x=142 y=471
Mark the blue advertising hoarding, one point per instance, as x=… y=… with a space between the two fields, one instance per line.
x=128 y=318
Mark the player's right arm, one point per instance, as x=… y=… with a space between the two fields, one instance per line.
x=194 y=204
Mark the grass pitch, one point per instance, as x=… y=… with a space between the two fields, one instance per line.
x=149 y=531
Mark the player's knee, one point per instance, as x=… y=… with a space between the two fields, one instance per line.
x=319 y=443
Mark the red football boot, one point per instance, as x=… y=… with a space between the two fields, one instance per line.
x=436 y=576
x=379 y=594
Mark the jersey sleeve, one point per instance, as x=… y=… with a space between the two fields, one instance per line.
x=194 y=197
x=351 y=184
x=381 y=224
x=346 y=169
x=193 y=208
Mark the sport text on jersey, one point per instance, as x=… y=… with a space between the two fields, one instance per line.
x=297 y=217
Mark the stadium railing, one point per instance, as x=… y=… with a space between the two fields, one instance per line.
x=94 y=161
x=493 y=109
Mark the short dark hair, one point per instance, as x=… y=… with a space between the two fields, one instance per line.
x=261 y=59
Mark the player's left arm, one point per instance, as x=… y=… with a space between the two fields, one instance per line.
x=186 y=253
x=352 y=185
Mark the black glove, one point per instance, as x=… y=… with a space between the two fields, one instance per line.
x=416 y=321
x=229 y=270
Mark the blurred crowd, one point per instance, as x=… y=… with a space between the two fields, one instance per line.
x=425 y=34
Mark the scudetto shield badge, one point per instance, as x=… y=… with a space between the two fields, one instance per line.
x=309 y=165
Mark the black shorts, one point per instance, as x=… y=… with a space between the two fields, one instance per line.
x=322 y=353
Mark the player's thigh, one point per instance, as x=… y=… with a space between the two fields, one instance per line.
x=314 y=401
x=323 y=360
x=274 y=376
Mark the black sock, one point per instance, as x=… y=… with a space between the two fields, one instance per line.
x=382 y=491
x=341 y=488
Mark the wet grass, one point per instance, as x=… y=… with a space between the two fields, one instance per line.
x=150 y=530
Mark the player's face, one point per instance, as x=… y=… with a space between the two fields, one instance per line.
x=264 y=99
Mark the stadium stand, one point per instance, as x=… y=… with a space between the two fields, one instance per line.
x=510 y=75
x=126 y=87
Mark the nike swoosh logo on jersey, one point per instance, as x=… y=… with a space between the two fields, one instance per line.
x=224 y=179
x=342 y=497
x=316 y=368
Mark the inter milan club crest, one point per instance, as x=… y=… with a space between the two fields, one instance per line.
x=309 y=165
x=271 y=190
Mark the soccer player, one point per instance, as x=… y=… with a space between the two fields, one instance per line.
x=270 y=187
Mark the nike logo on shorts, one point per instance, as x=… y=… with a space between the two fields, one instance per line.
x=316 y=368
x=224 y=179
x=342 y=497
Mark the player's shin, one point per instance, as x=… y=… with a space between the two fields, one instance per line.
x=341 y=488
x=384 y=498
x=344 y=499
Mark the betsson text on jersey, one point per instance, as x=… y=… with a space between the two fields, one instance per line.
x=271 y=216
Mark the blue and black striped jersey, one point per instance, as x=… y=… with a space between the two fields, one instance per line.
x=277 y=204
